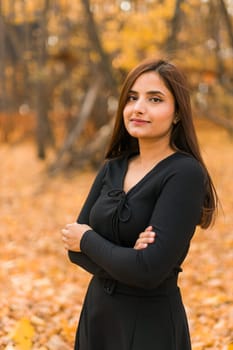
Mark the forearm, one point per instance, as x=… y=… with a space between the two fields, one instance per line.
x=82 y=260
x=126 y=265
x=71 y=236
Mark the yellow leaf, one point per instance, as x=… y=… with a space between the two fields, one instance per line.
x=23 y=334
x=230 y=346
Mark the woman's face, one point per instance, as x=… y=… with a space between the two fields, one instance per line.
x=150 y=109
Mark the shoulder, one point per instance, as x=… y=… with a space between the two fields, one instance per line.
x=188 y=163
x=116 y=163
x=186 y=168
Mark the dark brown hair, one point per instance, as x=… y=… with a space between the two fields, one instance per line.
x=183 y=135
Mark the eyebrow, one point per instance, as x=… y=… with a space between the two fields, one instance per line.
x=153 y=92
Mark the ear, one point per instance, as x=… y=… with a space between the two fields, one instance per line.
x=176 y=119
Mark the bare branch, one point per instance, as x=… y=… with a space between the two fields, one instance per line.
x=85 y=113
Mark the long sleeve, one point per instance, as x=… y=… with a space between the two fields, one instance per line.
x=174 y=217
x=80 y=258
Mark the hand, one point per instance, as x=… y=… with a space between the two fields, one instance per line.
x=145 y=238
x=72 y=235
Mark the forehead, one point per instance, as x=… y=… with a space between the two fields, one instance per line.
x=150 y=81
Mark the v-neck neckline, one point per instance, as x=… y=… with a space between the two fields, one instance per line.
x=144 y=178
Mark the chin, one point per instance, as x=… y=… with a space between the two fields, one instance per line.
x=137 y=133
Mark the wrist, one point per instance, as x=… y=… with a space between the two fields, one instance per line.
x=84 y=237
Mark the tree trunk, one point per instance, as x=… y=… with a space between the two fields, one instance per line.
x=104 y=62
x=215 y=32
x=107 y=78
x=44 y=132
x=4 y=118
x=2 y=62
x=26 y=55
x=171 y=43
x=94 y=152
x=227 y=20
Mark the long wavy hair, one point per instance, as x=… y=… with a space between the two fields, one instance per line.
x=183 y=136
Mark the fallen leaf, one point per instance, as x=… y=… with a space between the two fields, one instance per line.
x=23 y=334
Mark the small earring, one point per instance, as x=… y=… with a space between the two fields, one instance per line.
x=176 y=120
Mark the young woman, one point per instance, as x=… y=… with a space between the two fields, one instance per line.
x=134 y=230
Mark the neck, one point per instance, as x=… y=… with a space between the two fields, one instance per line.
x=152 y=152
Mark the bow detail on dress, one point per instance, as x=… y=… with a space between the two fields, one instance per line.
x=122 y=212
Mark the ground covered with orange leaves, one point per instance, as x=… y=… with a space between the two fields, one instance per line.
x=41 y=292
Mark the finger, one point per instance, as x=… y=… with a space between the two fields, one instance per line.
x=141 y=246
x=147 y=234
x=149 y=228
x=64 y=239
x=146 y=240
x=64 y=231
x=69 y=225
x=66 y=246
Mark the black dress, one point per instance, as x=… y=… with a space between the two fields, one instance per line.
x=133 y=301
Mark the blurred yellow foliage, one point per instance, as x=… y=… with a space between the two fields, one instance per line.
x=16 y=13
x=23 y=334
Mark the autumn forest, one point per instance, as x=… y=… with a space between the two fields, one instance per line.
x=61 y=67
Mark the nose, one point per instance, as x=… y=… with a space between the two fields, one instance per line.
x=139 y=106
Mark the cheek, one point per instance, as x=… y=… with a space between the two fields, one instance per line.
x=125 y=114
x=166 y=114
x=125 y=111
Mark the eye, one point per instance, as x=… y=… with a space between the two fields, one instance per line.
x=131 y=98
x=155 y=99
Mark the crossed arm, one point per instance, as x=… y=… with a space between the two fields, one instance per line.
x=73 y=233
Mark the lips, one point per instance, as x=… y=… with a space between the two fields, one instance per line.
x=139 y=121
